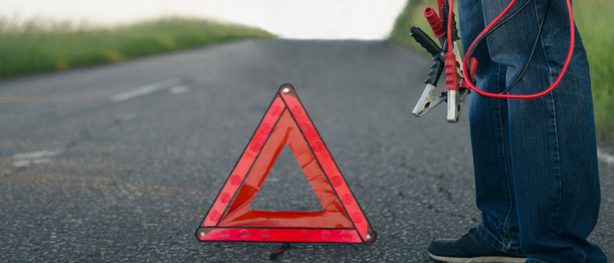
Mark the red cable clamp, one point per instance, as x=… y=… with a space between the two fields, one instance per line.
x=435 y=22
x=451 y=73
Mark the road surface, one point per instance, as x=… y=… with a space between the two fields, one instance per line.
x=120 y=163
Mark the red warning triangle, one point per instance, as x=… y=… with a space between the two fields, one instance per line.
x=286 y=123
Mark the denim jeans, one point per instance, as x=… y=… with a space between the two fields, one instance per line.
x=536 y=177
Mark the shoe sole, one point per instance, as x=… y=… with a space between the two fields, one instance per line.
x=477 y=259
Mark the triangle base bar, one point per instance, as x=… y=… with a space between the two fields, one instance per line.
x=283 y=235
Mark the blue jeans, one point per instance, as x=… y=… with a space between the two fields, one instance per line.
x=536 y=177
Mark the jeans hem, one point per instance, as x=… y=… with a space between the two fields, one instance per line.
x=492 y=240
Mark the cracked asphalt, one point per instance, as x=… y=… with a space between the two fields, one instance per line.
x=120 y=163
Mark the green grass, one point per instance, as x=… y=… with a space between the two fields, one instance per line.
x=597 y=31
x=411 y=15
x=595 y=26
x=42 y=46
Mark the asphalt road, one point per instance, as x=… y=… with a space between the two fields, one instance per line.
x=120 y=163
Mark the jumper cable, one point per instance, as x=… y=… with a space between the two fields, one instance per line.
x=458 y=79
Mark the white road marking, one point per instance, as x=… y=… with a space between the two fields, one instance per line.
x=180 y=89
x=38 y=154
x=605 y=157
x=21 y=163
x=125 y=117
x=40 y=161
x=145 y=90
x=22 y=160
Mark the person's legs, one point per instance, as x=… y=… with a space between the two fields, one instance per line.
x=489 y=140
x=553 y=151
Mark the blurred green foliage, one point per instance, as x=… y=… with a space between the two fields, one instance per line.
x=412 y=15
x=42 y=45
x=595 y=23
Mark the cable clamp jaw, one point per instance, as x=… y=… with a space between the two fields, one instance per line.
x=443 y=61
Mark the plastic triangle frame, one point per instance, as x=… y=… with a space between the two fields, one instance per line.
x=286 y=123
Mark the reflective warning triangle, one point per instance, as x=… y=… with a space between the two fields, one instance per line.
x=286 y=123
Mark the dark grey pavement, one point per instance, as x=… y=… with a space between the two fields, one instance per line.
x=120 y=163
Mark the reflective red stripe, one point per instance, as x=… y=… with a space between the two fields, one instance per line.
x=329 y=166
x=280 y=235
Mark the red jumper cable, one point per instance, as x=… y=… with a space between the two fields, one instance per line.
x=458 y=79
